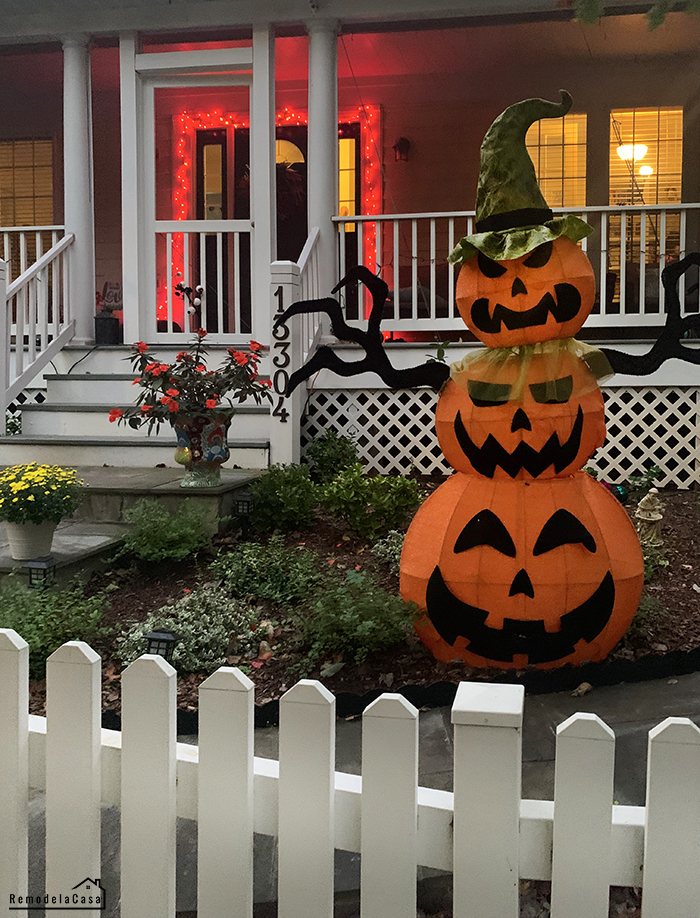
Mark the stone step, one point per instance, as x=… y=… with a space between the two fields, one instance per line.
x=120 y=452
x=98 y=388
x=77 y=421
x=115 y=359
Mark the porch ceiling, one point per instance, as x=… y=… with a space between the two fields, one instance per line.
x=42 y=20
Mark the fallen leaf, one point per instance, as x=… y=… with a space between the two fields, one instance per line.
x=256 y=663
x=659 y=648
x=330 y=669
x=696 y=588
x=672 y=682
x=583 y=689
x=387 y=679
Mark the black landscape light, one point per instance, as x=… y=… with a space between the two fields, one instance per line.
x=42 y=572
x=244 y=503
x=161 y=643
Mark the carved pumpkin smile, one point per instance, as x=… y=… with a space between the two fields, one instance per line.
x=453 y=618
x=564 y=306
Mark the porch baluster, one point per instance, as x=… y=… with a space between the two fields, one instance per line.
x=642 y=261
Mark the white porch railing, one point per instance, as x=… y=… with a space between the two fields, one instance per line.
x=580 y=840
x=35 y=321
x=206 y=253
x=629 y=245
x=23 y=245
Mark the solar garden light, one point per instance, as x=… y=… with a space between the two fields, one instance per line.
x=161 y=643
x=42 y=572
x=244 y=503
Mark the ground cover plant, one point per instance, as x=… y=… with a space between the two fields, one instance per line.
x=158 y=535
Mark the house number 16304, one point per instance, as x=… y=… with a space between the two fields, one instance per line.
x=280 y=360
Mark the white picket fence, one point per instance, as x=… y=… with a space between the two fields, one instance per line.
x=483 y=832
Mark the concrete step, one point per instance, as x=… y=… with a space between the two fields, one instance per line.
x=121 y=452
x=98 y=388
x=115 y=359
x=63 y=420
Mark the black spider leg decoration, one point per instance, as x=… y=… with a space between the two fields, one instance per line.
x=431 y=373
x=668 y=344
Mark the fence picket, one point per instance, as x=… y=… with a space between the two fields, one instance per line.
x=14 y=762
x=225 y=796
x=487 y=776
x=389 y=808
x=306 y=792
x=672 y=835
x=73 y=780
x=148 y=789
x=583 y=799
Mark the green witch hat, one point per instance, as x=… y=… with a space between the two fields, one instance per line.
x=512 y=216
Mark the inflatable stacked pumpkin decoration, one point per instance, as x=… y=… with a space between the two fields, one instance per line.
x=520 y=558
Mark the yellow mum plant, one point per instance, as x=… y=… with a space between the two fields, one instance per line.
x=35 y=493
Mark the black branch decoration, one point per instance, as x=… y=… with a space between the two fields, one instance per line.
x=430 y=373
x=669 y=343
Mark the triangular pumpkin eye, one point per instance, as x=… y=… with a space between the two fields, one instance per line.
x=562 y=528
x=489 y=267
x=539 y=257
x=485 y=529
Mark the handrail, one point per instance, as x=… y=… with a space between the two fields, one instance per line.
x=591 y=209
x=309 y=246
x=39 y=265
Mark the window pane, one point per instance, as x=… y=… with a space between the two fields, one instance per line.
x=557 y=147
x=646 y=151
x=26 y=182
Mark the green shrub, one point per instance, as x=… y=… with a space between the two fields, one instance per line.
x=329 y=454
x=639 y=485
x=208 y=622
x=48 y=618
x=270 y=572
x=646 y=617
x=654 y=558
x=388 y=550
x=285 y=499
x=157 y=534
x=370 y=505
x=353 y=617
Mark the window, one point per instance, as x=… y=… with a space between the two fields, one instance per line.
x=557 y=147
x=26 y=182
x=347 y=182
x=646 y=151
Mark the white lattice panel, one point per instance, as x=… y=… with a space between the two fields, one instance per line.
x=394 y=431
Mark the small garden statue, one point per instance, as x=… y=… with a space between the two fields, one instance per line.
x=649 y=515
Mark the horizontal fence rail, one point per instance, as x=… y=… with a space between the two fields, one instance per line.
x=36 y=321
x=581 y=840
x=628 y=250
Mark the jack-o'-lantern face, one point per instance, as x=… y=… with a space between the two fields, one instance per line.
x=545 y=294
x=518 y=573
x=517 y=419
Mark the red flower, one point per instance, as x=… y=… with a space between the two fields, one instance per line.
x=201 y=333
x=136 y=381
x=256 y=346
x=114 y=414
x=172 y=392
x=165 y=400
x=201 y=368
x=240 y=358
x=210 y=403
x=141 y=347
x=145 y=407
x=173 y=406
x=156 y=369
x=266 y=382
x=182 y=355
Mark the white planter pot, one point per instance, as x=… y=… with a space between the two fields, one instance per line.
x=30 y=540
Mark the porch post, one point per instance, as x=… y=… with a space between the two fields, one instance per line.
x=79 y=214
x=322 y=168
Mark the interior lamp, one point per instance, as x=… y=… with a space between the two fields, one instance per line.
x=646 y=171
x=632 y=151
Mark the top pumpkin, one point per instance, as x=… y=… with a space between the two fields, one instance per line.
x=523 y=278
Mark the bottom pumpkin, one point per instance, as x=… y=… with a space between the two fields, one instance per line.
x=522 y=573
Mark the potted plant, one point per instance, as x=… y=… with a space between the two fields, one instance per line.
x=196 y=401
x=33 y=501
x=108 y=330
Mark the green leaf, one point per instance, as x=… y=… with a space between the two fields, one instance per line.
x=588 y=11
x=657 y=14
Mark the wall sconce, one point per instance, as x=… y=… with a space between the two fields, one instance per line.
x=401 y=149
x=161 y=643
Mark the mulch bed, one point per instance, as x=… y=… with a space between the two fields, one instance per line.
x=661 y=645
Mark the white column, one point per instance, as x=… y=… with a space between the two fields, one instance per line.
x=79 y=214
x=322 y=167
x=133 y=260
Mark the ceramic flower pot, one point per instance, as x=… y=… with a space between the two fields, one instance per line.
x=30 y=540
x=202 y=449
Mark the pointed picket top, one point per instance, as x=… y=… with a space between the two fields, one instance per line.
x=74 y=652
x=227 y=679
x=585 y=726
x=391 y=705
x=679 y=730
x=308 y=691
x=150 y=665
x=11 y=642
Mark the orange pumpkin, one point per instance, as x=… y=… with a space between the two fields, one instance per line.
x=504 y=417
x=516 y=573
x=545 y=294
